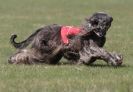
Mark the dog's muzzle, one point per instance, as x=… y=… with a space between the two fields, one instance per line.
x=99 y=34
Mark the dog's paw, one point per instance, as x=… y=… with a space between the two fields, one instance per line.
x=117 y=59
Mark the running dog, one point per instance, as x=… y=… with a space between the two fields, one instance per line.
x=81 y=45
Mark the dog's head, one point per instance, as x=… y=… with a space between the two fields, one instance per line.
x=98 y=23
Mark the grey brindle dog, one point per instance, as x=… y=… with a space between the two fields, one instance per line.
x=46 y=45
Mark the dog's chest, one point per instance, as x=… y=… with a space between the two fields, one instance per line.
x=99 y=41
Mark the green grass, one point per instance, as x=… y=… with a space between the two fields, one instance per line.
x=25 y=16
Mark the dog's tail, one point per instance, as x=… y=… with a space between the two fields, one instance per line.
x=25 y=43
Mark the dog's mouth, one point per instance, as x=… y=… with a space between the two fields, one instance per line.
x=98 y=33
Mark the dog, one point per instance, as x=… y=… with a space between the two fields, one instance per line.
x=83 y=46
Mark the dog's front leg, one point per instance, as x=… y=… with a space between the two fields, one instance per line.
x=111 y=58
x=90 y=53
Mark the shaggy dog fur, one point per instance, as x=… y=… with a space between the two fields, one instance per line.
x=83 y=48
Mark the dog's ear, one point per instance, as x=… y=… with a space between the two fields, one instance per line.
x=92 y=20
x=87 y=19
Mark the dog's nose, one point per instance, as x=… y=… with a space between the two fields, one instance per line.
x=111 y=19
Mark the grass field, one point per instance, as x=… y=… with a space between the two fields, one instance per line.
x=25 y=16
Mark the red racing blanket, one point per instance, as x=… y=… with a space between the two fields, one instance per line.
x=69 y=30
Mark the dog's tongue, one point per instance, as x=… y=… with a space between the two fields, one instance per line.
x=98 y=34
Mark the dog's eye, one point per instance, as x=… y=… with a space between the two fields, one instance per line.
x=95 y=22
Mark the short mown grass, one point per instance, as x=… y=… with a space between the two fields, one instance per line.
x=24 y=16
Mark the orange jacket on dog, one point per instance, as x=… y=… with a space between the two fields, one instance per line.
x=69 y=30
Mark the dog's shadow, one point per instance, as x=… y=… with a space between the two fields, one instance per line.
x=106 y=65
x=97 y=65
